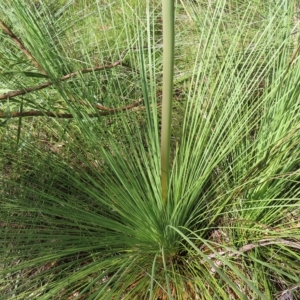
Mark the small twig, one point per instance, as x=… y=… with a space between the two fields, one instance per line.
x=7 y=30
x=118 y=109
x=187 y=12
x=247 y=248
x=25 y=91
x=294 y=55
x=286 y=294
x=103 y=111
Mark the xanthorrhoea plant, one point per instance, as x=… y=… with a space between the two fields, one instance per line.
x=86 y=219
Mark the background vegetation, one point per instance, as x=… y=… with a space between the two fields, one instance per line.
x=82 y=214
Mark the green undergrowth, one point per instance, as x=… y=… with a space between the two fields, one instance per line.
x=82 y=215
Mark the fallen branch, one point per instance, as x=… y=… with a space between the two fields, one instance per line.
x=7 y=30
x=64 y=78
x=103 y=111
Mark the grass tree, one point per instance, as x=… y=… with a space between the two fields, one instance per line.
x=136 y=168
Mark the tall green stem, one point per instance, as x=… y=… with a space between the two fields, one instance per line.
x=167 y=97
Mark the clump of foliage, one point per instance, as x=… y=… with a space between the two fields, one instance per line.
x=82 y=212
